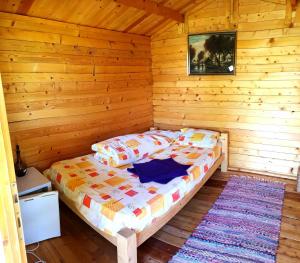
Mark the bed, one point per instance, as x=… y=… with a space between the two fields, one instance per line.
x=123 y=210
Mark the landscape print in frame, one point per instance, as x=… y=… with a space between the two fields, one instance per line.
x=212 y=53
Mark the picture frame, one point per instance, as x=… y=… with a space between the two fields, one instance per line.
x=212 y=53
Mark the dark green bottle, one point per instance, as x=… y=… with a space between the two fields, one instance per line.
x=20 y=168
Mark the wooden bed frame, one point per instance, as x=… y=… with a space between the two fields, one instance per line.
x=127 y=240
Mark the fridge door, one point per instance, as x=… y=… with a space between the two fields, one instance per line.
x=40 y=216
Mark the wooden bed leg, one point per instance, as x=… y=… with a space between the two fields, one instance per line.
x=224 y=140
x=127 y=246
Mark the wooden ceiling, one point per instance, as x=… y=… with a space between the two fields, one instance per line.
x=143 y=17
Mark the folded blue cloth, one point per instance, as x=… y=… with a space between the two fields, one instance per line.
x=159 y=171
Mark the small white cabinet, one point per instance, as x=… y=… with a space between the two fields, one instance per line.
x=39 y=207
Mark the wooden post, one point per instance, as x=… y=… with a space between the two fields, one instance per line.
x=231 y=13
x=297 y=18
x=224 y=140
x=127 y=246
x=12 y=245
x=234 y=14
x=298 y=180
x=288 y=13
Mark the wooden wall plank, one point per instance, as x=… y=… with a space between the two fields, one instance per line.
x=67 y=86
x=259 y=106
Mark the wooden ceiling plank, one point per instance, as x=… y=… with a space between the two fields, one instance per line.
x=133 y=25
x=24 y=7
x=147 y=24
x=162 y=27
x=114 y=17
x=199 y=6
x=131 y=16
x=106 y=14
x=152 y=7
x=187 y=6
x=155 y=25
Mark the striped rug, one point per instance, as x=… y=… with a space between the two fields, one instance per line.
x=242 y=226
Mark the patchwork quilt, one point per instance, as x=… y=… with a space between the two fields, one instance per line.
x=112 y=198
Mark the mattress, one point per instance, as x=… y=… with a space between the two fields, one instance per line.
x=112 y=198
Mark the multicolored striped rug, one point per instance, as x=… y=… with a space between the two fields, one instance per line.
x=242 y=226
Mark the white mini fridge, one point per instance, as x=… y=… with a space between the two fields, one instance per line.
x=40 y=216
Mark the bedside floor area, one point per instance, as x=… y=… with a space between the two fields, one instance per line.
x=80 y=243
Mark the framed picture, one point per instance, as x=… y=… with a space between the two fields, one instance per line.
x=212 y=53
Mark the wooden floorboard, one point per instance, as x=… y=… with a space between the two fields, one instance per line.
x=80 y=243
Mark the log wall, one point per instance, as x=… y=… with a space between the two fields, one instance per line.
x=260 y=105
x=67 y=86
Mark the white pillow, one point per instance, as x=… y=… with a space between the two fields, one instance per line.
x=198 y=138
x=129 y=148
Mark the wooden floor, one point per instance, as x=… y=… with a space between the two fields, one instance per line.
x=80 y=243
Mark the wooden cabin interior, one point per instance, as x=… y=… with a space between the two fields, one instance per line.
x=79 y=72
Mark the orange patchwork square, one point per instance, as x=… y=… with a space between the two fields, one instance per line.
x=97 y=186
x=131 y=193
x=110 y=208
x=152 y=190
x=116 y=180
x=90 y=170
x=159 y=151
x=84 y=165
x=197 y=137
x=193 y=155
x=156 y=203
x=123 y=156
x=68 y=166
x=104 y=196
x=111 y=173
x=132 y=143
x=186 y=178
x=196 y=171
x=125 y=187
x=124 y=167
x=93 y=174
x=74 y=183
